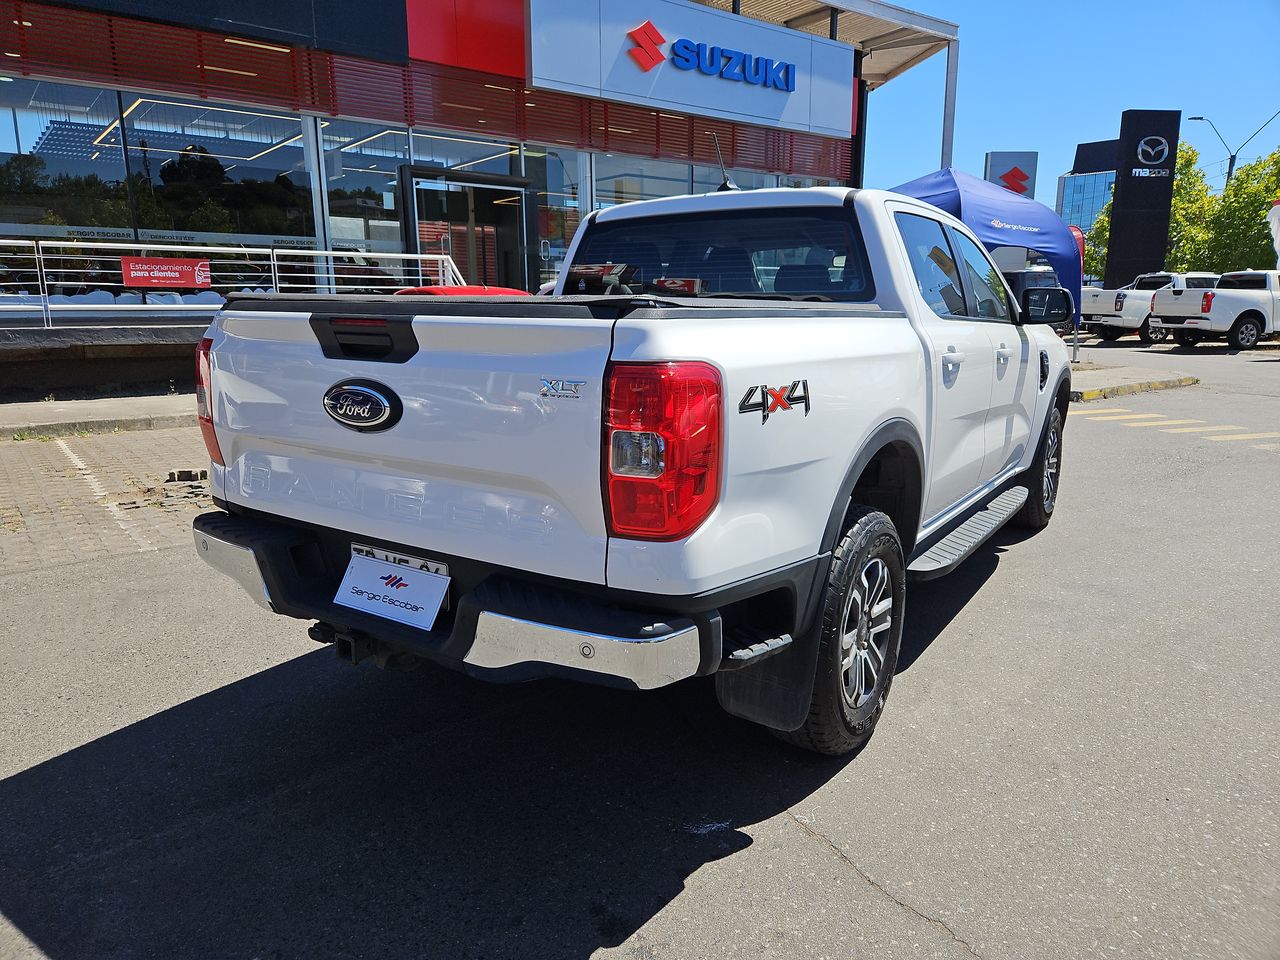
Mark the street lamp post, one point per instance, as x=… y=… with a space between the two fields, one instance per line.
x=1232 y=154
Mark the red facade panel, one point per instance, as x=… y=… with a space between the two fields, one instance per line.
x=483 y=35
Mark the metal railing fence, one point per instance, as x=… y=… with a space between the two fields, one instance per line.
x=45 y=282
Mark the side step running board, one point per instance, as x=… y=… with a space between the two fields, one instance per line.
x=751 y=647
x=945 y=555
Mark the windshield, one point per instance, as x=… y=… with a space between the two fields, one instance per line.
x=812 y=253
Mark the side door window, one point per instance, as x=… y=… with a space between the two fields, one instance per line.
x=934 y=264
x=990 y=299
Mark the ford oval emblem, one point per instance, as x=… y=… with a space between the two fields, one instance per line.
x=363 y=405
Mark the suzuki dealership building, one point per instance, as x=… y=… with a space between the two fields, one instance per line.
x=483 y=130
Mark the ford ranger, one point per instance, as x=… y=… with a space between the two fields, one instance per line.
x=1243 y=309
x=721 y=448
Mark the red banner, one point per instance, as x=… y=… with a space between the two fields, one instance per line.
x=158 y=272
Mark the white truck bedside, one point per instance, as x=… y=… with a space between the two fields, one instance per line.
x=721 y=448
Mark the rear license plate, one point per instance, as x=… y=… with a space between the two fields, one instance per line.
x=402 y=592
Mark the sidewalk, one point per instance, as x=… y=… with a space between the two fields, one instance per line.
x=55 y=418
x=1090 y=382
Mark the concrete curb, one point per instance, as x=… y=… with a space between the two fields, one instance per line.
x=110 y=425
x=1125 y=389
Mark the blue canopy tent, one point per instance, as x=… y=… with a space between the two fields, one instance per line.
x=1001 y=218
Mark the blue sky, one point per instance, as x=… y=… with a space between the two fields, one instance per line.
x=1045 y=77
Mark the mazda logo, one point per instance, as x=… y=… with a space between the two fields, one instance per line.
x=1152 y=150
x=363 y=405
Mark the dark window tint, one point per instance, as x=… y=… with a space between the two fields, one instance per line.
x=791 y=253
x=1201 y=283
x=933 y=263
x=1243 y=281
x=1153 y=283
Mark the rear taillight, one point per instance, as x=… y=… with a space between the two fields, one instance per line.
x=204 y=412
x=1152 y=308
x=1119 y=301
x=663 y=426
x=1206 y=301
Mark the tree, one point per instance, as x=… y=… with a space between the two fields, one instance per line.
x=1189 y=214
x=1239 y=236
x=1095 y=243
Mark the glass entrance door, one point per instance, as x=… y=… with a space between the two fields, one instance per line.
x=480 y=226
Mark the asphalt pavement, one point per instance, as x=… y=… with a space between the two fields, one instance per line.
x=1080 y=758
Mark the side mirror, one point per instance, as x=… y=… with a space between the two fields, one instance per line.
x=1046 y=305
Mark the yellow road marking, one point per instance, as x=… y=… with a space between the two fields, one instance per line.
x=1132 y=416
x=1247 y=436
x=1202 y=429
x=1082 y=413
x=1266 y=446
x=1160 y=423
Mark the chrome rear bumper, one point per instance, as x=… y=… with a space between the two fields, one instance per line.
x=587 y=640
x=669 y=654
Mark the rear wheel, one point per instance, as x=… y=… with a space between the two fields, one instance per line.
x=1042 y=477
x=1111 y=333
x=1149 y=334
x=1245 y=333
x=862 y=611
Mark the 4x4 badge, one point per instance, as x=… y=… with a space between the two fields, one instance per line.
x=769 y=400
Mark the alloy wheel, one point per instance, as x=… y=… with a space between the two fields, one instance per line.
x=865 y=631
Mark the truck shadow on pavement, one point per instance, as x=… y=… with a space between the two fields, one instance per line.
x=316 y=810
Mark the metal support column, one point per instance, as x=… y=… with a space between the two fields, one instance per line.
x=949 y=103
x=858 y=156
x=313 y=161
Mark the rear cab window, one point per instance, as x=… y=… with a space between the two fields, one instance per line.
x=1243 y=281
x=1201 y=283
x=800 y=253
x=1156 y=282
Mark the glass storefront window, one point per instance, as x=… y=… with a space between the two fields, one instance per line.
x=557 y=176
x=361 y=167
x=706 y=179
x=788 y=180
x=465 y=154
x=212 y=174
x=620 y=179
x=57 y=178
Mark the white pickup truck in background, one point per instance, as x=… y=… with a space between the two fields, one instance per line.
x=720 y=449
x=1243 y=309
x=1113 y=313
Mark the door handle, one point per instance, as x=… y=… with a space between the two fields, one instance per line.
x=1003 y=354
x=953 y=358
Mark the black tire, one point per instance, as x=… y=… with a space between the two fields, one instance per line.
x=841 y=721
x=1149 y=334
x=1042 y=478
x=1245 y=333
x=1187 y=340
x=1111 y=333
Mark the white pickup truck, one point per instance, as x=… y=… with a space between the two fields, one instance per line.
x=1243 y=309
x=720 y=449
x=1113 y=313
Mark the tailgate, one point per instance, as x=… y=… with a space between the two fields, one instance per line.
x=1177 y=303
x=496 y=452
x=1098 y=303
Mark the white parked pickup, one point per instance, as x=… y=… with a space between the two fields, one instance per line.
x=1244 y=309
x=1113 y=313
x=720 y=448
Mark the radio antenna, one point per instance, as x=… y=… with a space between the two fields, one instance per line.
x=726 y=182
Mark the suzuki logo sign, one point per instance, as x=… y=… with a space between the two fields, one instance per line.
x=1153 y=150
x=1015 y=179
x=711 y=60
x=647 y=52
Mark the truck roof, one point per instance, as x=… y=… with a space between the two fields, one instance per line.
x=729 y=200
